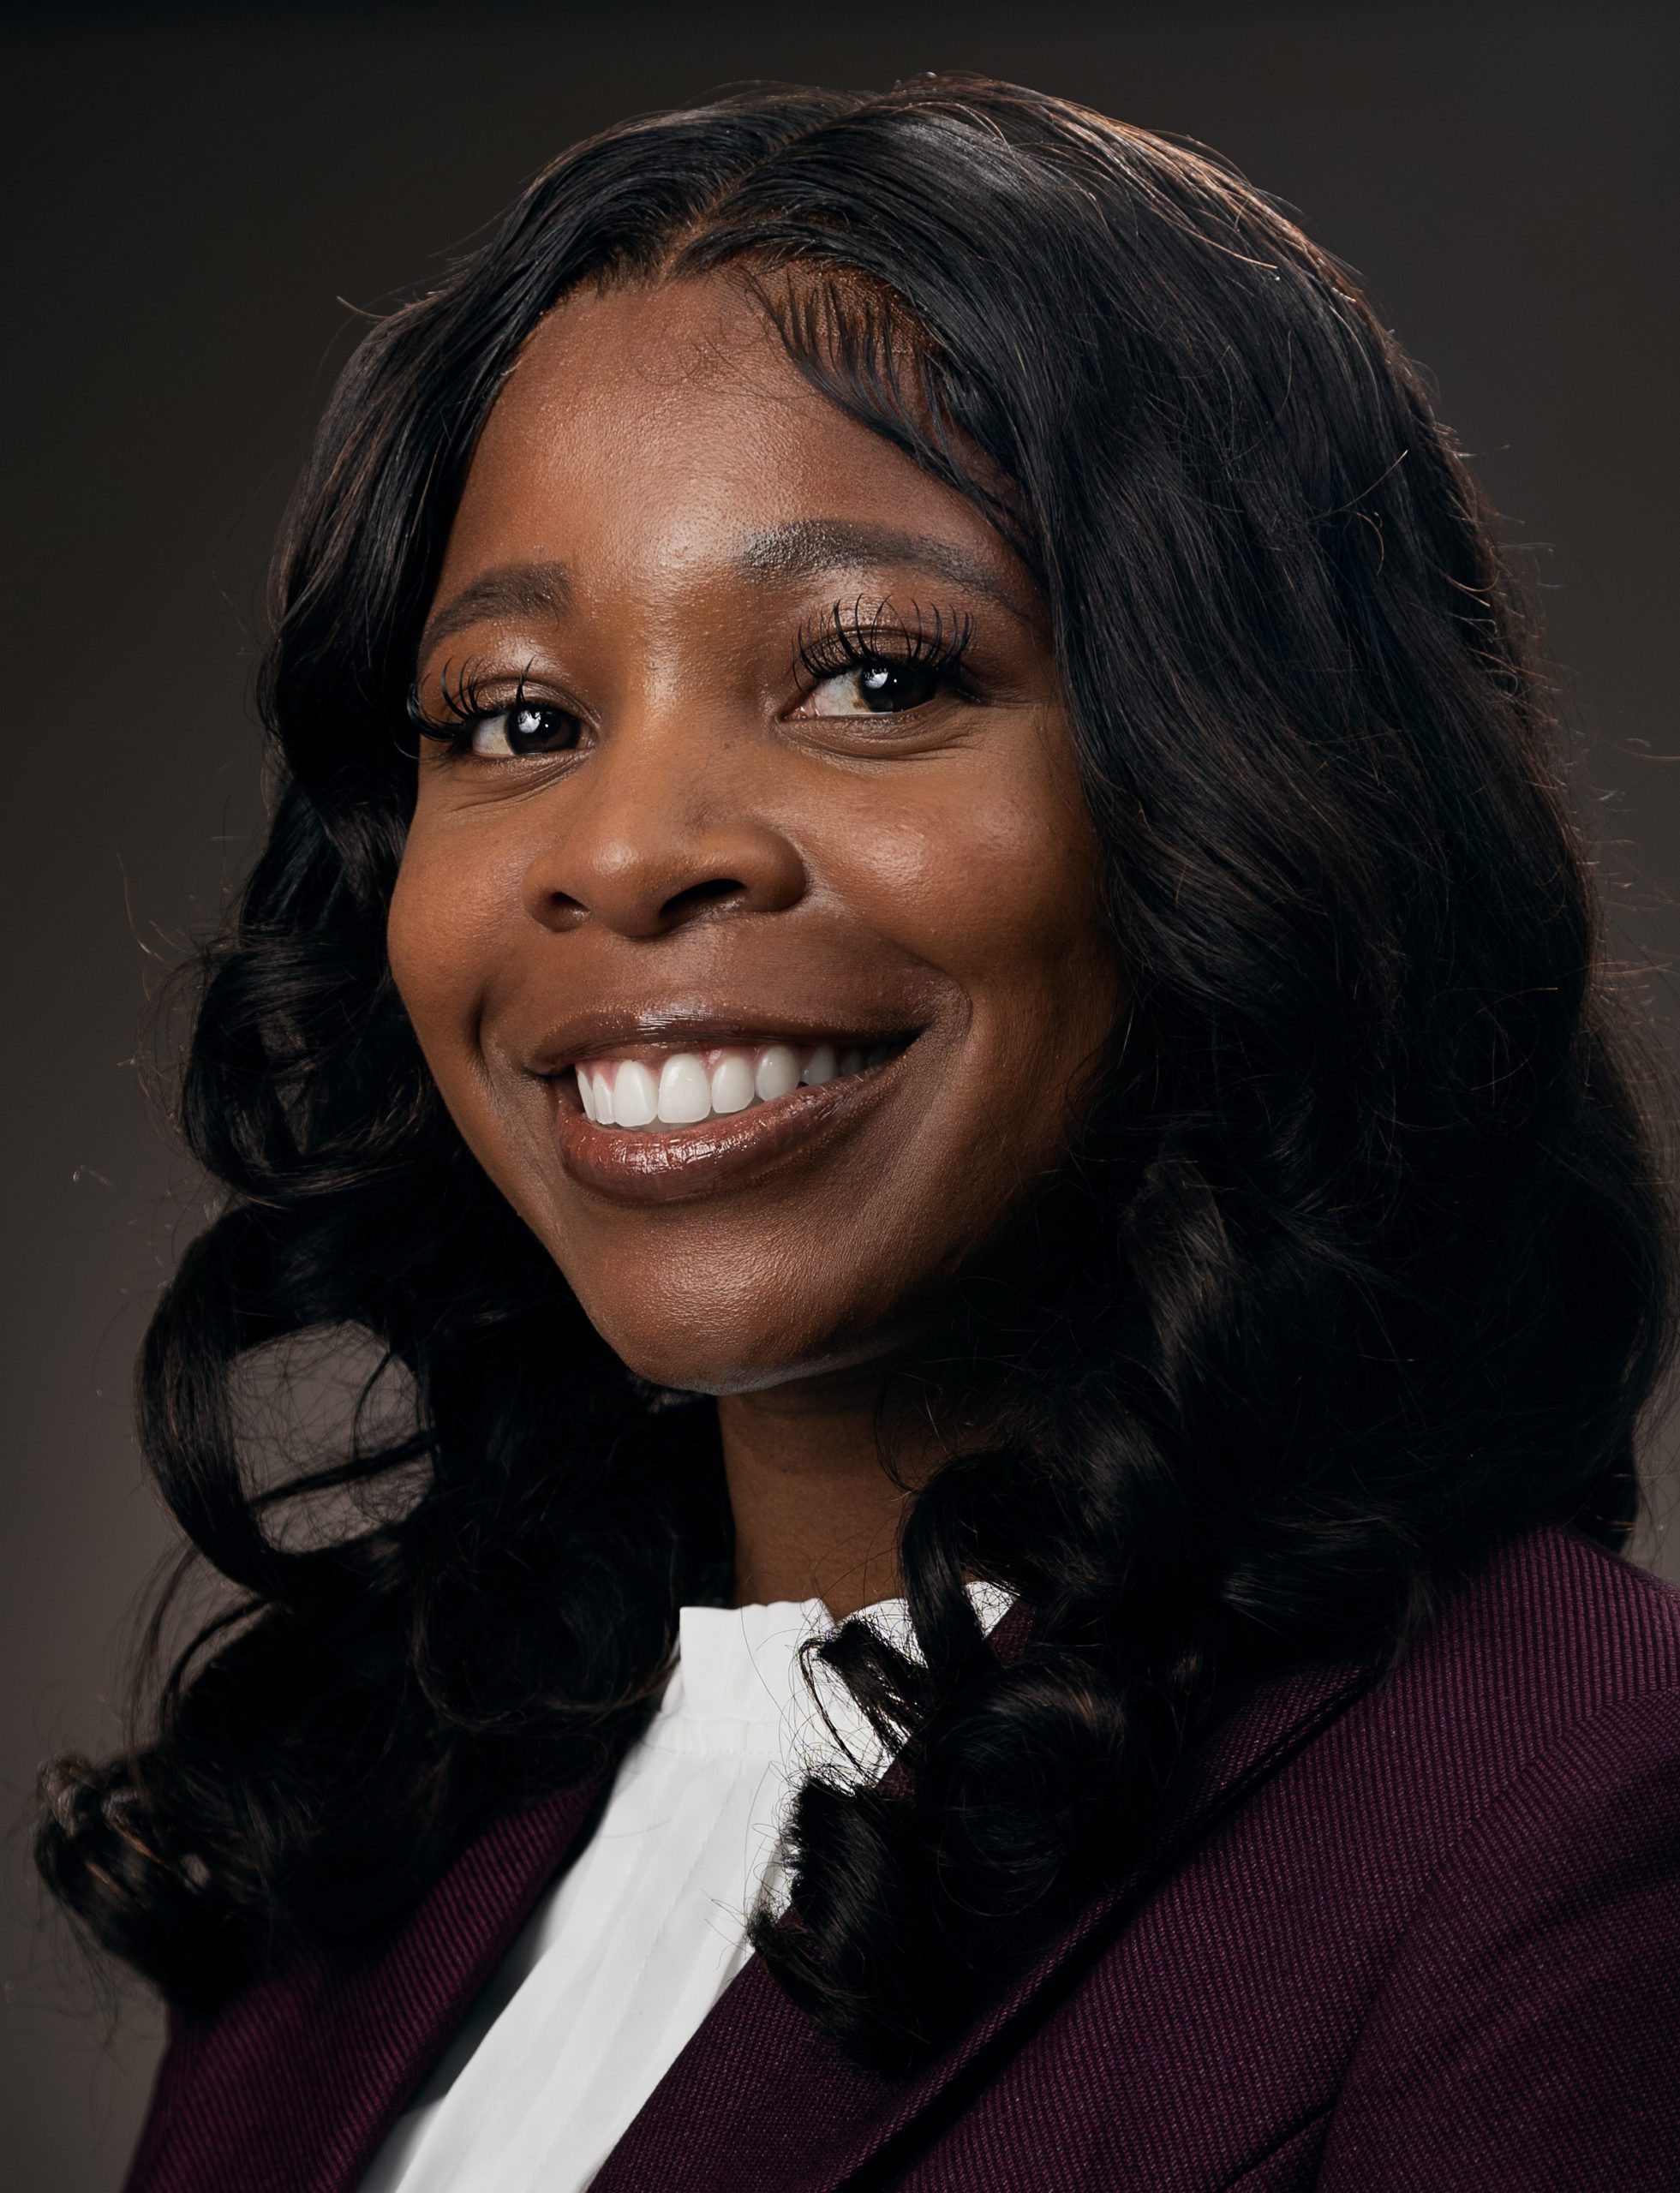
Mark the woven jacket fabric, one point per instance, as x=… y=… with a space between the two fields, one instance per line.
x=1414 y=1931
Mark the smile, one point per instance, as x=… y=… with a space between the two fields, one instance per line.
x=651 y=1094
x=665 y=1122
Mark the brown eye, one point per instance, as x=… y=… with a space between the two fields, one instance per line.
x=877 y=689
x=528 y=727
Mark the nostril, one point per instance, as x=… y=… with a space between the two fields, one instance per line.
x=698 y=896
x=559 y=911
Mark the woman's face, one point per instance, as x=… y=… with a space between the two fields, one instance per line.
x=752 y=926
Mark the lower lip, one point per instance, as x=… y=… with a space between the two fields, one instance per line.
x=645 y=1165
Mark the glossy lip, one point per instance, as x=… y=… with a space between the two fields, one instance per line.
x=639 y=1165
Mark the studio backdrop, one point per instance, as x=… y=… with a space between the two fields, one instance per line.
x=203 y=208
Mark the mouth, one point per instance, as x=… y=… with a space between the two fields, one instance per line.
x=666 y=1121
x=646 y=1091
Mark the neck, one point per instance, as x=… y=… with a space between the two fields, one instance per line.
x=817 y=1513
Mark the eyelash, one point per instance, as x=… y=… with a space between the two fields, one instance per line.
x=846 y=639
x=466 y=704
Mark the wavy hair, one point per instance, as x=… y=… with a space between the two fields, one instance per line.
x=1362 y=1262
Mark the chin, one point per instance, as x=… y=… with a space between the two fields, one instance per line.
x=697 y=1354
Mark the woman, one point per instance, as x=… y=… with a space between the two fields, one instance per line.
x=918 y=956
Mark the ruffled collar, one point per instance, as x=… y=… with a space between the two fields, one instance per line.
x=738 y=1684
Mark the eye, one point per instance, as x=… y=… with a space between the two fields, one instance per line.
x=527 y=727
x=874 y=689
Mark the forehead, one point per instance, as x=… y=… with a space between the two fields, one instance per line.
x=663 y=422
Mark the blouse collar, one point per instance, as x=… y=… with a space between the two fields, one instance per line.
x=738 y=1676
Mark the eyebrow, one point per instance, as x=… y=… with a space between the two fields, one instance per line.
x=807 y=547
x=510 y=590
x=803 y=548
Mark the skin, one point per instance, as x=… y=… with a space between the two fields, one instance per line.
x=722 y=836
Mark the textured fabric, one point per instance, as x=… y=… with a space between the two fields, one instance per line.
x=628 y=1952
x=290 y=2087
x=1419 y=1930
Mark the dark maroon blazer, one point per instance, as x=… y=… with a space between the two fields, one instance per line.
x=1418 y=1932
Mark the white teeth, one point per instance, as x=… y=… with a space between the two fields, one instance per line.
x=635 y=1095
x=777 y=1074
x=731 y=1084
x=684 y=1091
x=684 y=1088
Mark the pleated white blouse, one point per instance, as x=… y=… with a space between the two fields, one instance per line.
x=625 y=1955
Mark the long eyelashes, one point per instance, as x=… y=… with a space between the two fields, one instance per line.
x=465 y=699
x=849 y=639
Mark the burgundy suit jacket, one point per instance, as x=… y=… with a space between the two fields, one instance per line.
x=1419 y=1931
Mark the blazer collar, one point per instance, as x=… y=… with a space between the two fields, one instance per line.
x=293 y=2084
x=761 y=2101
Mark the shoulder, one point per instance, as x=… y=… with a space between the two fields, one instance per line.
x=1551 y=1634
x=1548 y=1679
x=1522 y=2023
x=1551 y=1589
x=1427 y=1926
x=1546 y=1698
x=1553 y=1655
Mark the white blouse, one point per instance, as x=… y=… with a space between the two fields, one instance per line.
x=624 y=1957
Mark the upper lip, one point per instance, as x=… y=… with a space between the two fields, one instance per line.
x=586 y=1034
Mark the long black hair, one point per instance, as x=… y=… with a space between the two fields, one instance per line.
x=1370 y=1257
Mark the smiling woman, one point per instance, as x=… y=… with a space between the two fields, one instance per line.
x=920 y=962
x=749 y=897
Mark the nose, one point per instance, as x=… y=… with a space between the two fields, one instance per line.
x=656 y=830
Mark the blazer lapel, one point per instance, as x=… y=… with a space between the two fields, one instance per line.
x=292 y=2085
x=760 y=2101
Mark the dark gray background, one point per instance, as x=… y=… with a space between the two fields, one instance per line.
x=197 y=209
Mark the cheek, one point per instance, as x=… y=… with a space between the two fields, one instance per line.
x=451 y=937
x=995 y=878
x=441 y=935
